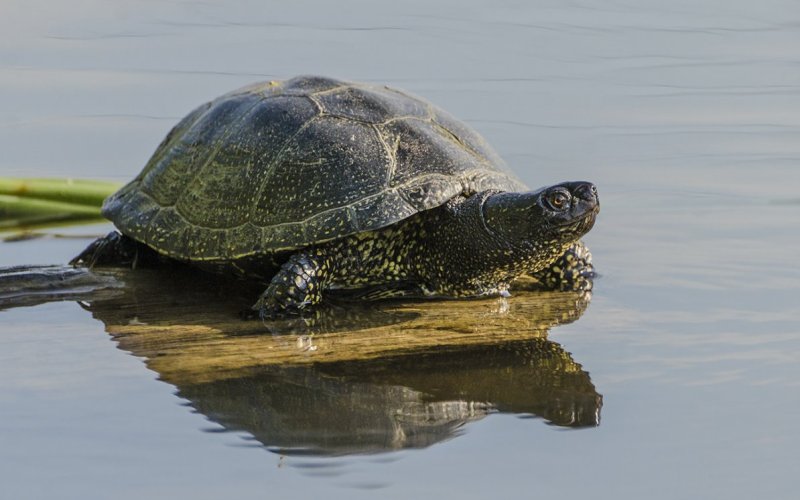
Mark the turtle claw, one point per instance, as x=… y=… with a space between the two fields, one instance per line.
x=110 y=249
x=269 y=309
x=115 y=249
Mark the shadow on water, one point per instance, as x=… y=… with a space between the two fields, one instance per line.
x=353 y=378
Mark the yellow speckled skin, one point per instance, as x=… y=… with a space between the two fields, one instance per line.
x=456 y=250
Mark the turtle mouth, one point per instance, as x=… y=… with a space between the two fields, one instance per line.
x=580 y=225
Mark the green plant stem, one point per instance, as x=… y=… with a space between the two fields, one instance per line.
x=22 y=207
x=70 y=191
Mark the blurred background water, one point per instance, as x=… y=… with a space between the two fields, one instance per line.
x=686 y=114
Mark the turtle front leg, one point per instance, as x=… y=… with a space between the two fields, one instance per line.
x=296 y=286
x=573 y=271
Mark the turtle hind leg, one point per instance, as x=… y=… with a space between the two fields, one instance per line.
x=114 y=249
x=297 y=285
x=572 y=271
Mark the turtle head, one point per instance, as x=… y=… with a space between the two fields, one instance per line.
x=556 y=214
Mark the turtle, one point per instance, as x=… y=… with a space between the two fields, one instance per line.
x=315 y=184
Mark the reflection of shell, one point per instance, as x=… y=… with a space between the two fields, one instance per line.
x=398 y=402
x=300 y=410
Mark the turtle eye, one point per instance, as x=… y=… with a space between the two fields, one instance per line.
x=558 y=200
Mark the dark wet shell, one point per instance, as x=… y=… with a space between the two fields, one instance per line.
x=282 y=165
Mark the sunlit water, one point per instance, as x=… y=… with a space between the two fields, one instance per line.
x=685 y=114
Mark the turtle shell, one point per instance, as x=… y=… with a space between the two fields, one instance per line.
x=281 y=165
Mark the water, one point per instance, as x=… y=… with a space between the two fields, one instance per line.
x=685 y=114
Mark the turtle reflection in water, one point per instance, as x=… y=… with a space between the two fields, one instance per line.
x=402 y=402
x=315 y=184
x=399 y=376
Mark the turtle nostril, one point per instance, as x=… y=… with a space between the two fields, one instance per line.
x=586 y=191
